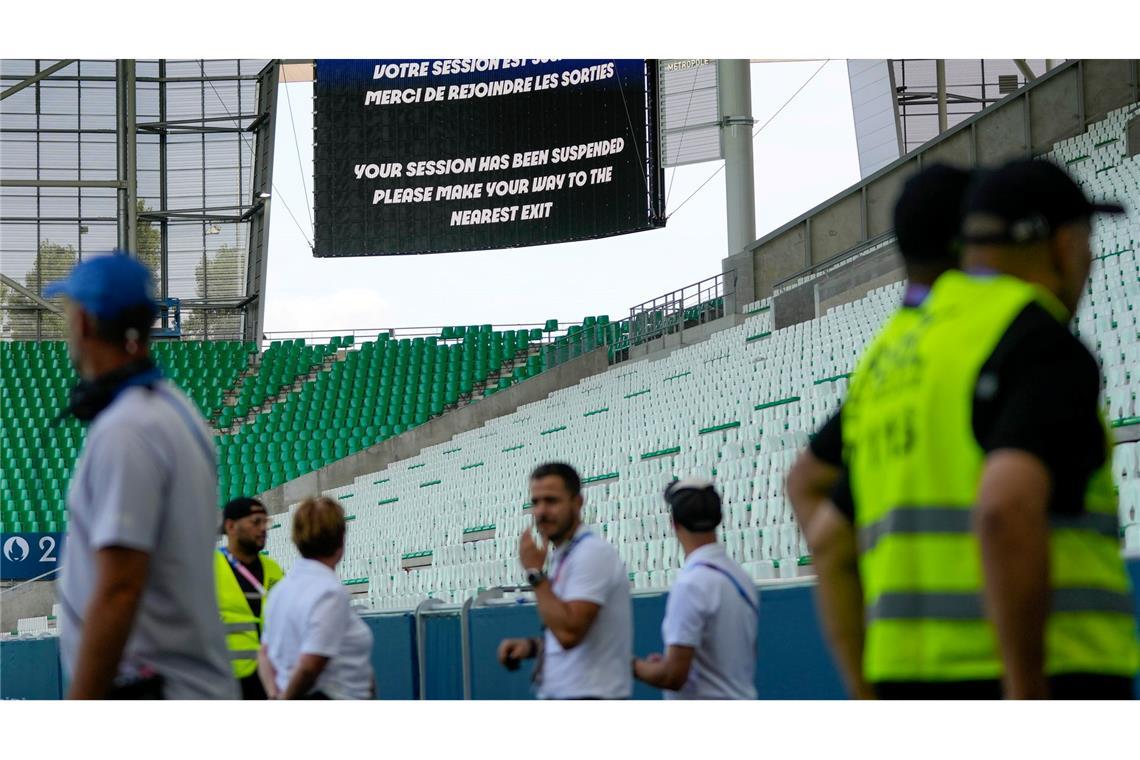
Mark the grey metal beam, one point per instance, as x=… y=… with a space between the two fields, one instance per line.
x=33 y=297
x=127 y=150
x=940 y=77
x=1023 y=67
x=36 y=77
x=105 y=183
x=176 y=122
x=258 y=260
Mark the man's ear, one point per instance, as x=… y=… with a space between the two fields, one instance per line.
x=87 y=325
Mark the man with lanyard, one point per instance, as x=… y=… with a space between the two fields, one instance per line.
x=139 y=618
x=711 y=615
x=927 y=218
x=244 y=577
x=978 y=470
x=584 y=604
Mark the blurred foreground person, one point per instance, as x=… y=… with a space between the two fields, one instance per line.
x=139 y=616
x=978 y=470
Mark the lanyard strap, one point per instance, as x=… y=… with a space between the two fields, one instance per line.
x=192 y=426
x=565 y=556
x=735 y=584
x=245 y=573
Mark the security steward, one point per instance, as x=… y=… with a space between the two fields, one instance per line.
x=244 y=577
x=711 y=614
x=927 y=221
x=978 y=472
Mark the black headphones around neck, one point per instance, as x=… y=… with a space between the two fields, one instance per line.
x=90 y=397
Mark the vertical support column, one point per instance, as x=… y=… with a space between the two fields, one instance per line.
x=127 y=154
x=735 y=92
x=261 y=190
x=940 y=75
x=164 y=224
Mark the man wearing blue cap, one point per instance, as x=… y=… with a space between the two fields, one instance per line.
x=139 y=617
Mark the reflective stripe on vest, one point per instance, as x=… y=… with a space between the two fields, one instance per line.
x=244 y=654
x=914 y=465
x=239 y=627
x=904 y=520
x=969 y=606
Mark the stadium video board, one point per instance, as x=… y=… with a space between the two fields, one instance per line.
x=439 y=155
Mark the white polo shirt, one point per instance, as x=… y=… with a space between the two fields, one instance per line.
x=588 y=569
x=146 y=480
x=718 y=618
x=309 y=612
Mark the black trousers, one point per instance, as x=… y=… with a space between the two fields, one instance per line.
x=251 y=688
x=1071 y=686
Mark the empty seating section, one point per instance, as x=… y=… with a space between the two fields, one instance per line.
x=736 y=407
x=379 y=390
x=204 y=370
x=1109 y=316
x=294 y=408
x=280 y=366
x=36 y=456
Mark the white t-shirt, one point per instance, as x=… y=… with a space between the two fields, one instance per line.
x=309 y=613
x=708 y=612
x=146 y=480
x=588 y=569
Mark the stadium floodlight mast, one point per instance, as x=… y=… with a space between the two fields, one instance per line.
x=735 y=93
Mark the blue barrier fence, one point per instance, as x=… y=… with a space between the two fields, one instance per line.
x=792 y=659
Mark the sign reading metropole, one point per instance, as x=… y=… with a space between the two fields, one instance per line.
x=438 y=155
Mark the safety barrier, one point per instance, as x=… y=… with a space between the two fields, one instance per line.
x=447 y=651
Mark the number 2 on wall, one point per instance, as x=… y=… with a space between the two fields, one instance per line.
x=49 y=542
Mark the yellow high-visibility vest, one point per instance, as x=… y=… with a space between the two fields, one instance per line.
x=915 y=466
x=243 y=628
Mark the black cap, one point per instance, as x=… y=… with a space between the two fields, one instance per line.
x=1025 y=201
x=928 y=214
x=695 y=504
x=242 y=506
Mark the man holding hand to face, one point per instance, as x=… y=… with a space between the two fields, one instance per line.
x=584 y=603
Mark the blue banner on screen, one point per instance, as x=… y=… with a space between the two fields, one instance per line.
x=29 y=555
x=438 y=155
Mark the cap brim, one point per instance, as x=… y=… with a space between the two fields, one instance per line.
x=1106 y=208
x=58 y=288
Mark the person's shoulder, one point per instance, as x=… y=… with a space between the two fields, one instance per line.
x=596 y=548
x=1036 y=332
x=271 y=564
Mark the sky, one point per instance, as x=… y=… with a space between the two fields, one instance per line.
x=805 y=155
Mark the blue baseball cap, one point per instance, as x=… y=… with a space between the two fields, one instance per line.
x=106 y=285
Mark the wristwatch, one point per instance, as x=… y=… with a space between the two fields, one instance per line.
x=534 y=577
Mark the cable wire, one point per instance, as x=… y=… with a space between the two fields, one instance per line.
x=754 y=134
x=297 y=145
x=276 y=192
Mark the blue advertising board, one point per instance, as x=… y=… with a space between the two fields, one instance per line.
x=24 y=556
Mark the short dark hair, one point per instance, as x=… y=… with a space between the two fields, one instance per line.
x=113 y=330
x=561 y=470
